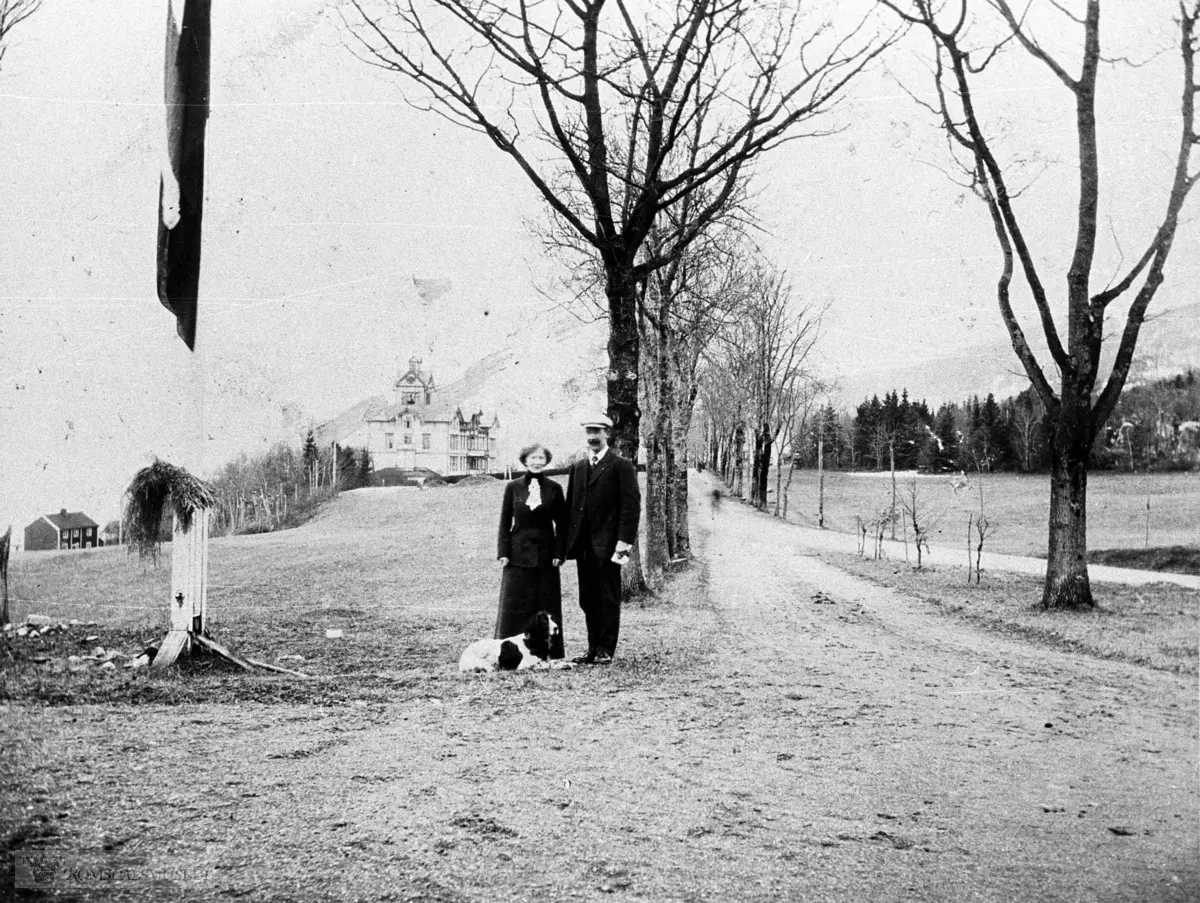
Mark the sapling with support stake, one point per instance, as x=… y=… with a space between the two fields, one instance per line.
x=983 y=527
x=918 y=514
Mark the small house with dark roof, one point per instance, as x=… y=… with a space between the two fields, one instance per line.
x=65 y=530
x=416 y=431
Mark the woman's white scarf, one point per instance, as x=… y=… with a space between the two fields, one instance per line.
x=535 y=493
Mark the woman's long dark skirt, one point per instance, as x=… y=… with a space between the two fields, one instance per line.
x=523 y=593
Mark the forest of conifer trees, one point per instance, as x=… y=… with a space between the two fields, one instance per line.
x=1156 y=426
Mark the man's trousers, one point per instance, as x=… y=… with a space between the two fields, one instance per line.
x=600 y=599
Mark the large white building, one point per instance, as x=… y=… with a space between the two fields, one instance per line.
x=416 y=430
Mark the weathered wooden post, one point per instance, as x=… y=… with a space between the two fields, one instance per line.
x=821 y=476
x=192 y=502
x=189 y=587
x=4 y=546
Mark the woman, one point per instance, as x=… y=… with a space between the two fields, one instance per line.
x=532 y=530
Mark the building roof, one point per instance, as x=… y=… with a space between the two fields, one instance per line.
x=69 y=520
x=430 y=414
x=414 y=378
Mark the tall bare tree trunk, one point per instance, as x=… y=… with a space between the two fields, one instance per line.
x=680 y=541
x=761 y=466
x=1067 y=583
x=623 y=358
x=656 y=509
x=665 y=428
x=739 y=459
x=778 y=485
x=657 y=490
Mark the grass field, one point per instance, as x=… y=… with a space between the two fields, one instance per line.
x=685 y=771
x=1018 y=504
x=1156 y=626
x=381 y=564
x=378 y=564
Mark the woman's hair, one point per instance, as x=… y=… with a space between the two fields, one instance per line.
x=530 y=449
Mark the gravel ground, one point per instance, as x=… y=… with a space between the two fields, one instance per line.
x=774 y=728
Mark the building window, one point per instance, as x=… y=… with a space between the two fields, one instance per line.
x=410 y=398
x=389 y=441
x=408 y=423
x=426 y=441
x=408 y=438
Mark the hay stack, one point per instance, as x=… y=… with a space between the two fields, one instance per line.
x=148 y=494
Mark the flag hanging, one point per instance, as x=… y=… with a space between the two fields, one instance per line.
x=181 y=188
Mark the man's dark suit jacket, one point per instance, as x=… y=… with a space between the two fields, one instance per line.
x=608 y=499
x=530 y=539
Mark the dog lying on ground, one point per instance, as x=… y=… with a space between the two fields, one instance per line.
x=530 y=649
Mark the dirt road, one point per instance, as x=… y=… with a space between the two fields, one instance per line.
x=773 y=730
x=1015 y=764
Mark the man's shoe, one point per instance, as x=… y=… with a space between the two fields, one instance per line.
x=602 y=658
x=587 y=658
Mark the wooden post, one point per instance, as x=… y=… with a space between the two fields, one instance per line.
x=189 y=588
x=892 y=456
x=5 y=542
x=821 y=477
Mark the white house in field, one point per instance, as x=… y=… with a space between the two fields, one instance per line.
x=417 y=430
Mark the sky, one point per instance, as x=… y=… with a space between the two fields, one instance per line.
x=327 y=196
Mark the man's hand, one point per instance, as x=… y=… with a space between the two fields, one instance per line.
x=623 y=546
x=503 y=562
x=555 y=561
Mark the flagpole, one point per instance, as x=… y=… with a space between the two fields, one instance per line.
x=186 y=85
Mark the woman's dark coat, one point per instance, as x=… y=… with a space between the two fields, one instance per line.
x=530 y=540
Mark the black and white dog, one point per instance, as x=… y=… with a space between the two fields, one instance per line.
x=530 y=649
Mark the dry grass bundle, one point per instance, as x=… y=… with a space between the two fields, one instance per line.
x=148 y=495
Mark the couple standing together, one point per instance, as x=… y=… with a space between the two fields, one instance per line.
x=595 y=524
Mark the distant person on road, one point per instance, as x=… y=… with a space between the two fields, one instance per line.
x=532 y=522
x=603 y=507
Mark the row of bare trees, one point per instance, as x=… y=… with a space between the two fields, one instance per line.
x=638 y=124
x=757 y=386
x=282 y=486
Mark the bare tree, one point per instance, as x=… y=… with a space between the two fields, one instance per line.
x=797 y=427
x=12 y=14
x=723 y=405
x=592 y=99
x=685 y=305
x=767 y=349
x=1076 y=412
x=921 y=516
x=1026 y=421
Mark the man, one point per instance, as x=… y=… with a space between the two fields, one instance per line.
x=603 y=507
